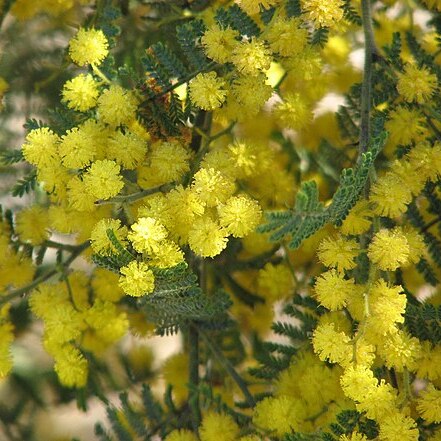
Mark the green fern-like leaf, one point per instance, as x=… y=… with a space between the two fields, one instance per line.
x=170 y=61
x=9 y=157
x=293 y=8
x=237 y=19
x=123 y=253
x=424 y=321
x=33 y=124
x=393 y=52
x=320 y=37
x=25 y=185
x=188 y=36
x=350 y=13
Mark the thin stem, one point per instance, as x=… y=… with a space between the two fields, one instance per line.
x=123 y=199
x=193 y=395
x=431 y=223
x=366 y=89
x=226 y=364
x=100 y=74
x=18 y=292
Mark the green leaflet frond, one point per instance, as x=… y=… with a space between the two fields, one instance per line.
x=32 y=124
x=351 y=14
x=25 y=185
x=393 y=51
x=124 y=254
x=424 y=321
x=237 y=19
x=188 y=36
x=319 y=37
x=309 y=214
x=293 y=8
x=9 y=157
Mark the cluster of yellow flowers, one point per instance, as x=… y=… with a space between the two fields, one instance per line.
x=113 y=181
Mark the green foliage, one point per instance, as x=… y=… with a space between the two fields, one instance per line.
x=32 y=124
x=275 y=357
x=320 y=37
x=393 y=51
x=178 y=300
x=188 y=36
x=237 y=19
x=309 y=214
x=9 y=157
x=351 y=14
x=424 y=321
x=25 y=185
x=293 y=8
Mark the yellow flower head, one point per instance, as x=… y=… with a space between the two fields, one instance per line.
x=358 y=220
x=251 y=57
x=323 y=13
x=416 y=84
x=32 y=225
x=333 y=290
x=338 y=253
x=286 y=37
x=252 y=7
x=398 y=427
x=71 y=366
x=429 y=404
x=219 y=43
x=211 y=187
x=99 y=240
x=41 y=147
x=117 y=106
x=218 y=427
x=80 y=93
x=127 y=149
x=76 y=149
x=405 y=126
x=206 y=238
x=293 y=112
x=103 y=179
x=207 y=91
x=389 y=249
x=147 y=234
x=332 y=345
x=275 y=282
x=137 y=279
x=89 y=46
x=240 y=215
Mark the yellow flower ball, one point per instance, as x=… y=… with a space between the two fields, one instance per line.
x=89 y=46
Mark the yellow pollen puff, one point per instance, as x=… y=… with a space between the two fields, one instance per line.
x=252 y=7
x=117 y=106
x=41 y=147
x=212 y=423
x=76 y=148
x=251 y=57
x=211 y=187
x=333 y=290
x=206 y=238
x=389 y=249
x=71 y=366
x=429 y=404
x=147 y=234
x=416 y=84
x=80 y=93
x=89 y=46
x=219 y=43
x=32 y=225
x=103 y=180
x=293 y=112
x=137 y=279
x=127 y=149
x=207 y=91
x=338 y=253
x=323 y=13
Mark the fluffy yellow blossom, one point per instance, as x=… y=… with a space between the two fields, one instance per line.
x=207 y=91
x=126 y=149
x=387 y=307
x=71 y=366
x=279 y=415
x=338 y=253
x=389 y=249
x=416 y=243
x=105 y=285
x=80 y=93
x=357 y=382
x=252 y=7
x=323 y=14
x=45 y=297
x=41 y=147
x=426 y=159
x=405 y=126
x=137 y=279
x=117 y=106
x=89 y=46
x=240 y=215
x=32 y=225
x=181 y=435
x=250 y=94
x=416 y=84
x=390 y=196
x=399 y=351
x=175 y=372
x=206 y=238
x=333 y=290
x=293 y=112
x=218 y=427
x=358 y=220
x=251 y=57
x=275 y=282
x=398 y=427
x=168 y=254
x=331 y=345
x=286 y=36
x=429 y=365
x=244 y=157
x=147 y=234
x=429 y=404
x=103 y=180
x=219 y=43
x=99 y=240
x=168 y=162
x=211 y=187
x=76 y=149
x=78 y=197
